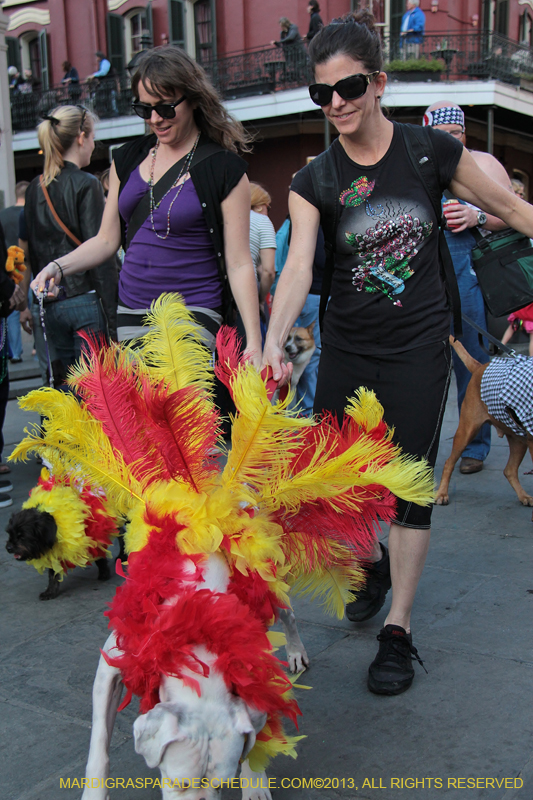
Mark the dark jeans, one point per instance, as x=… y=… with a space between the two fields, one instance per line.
x=64 y=319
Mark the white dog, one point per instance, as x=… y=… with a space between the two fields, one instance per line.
x=189 y=737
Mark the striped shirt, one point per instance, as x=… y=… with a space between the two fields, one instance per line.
x=262 y=235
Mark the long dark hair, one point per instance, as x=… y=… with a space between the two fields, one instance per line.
x=354 y=36
x=165 y=69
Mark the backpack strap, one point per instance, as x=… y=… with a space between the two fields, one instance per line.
x=326 y=191
x=424 y=161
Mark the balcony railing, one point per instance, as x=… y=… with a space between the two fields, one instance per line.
x=480 y=55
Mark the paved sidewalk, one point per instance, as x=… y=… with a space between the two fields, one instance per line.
x=470 y=717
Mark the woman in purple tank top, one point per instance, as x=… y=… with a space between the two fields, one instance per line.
x=187 y=233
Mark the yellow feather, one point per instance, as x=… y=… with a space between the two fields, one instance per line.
x=361 y=464
x=75 y=444
x=171 y=347
x=265 y=750
x=261 y=437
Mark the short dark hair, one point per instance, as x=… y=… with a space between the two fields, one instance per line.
x=354 y=36
x=314 y=5
x=20 y=189
x=100 y=54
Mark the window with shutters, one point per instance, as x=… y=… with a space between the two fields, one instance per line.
x=525 y=28
x=502 y=17
x=203 y=28
x=176 y=22
x=13 y=53
x=115 y=42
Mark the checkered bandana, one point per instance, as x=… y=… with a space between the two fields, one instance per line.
x=449 y=115
x=507 y=385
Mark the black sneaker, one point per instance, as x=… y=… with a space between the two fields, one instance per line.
x=6 y=486
x=5 y=501
x=392 y=672
x=371 y=597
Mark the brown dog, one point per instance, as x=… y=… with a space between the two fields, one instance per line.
x=474 y=413
x=299 y=348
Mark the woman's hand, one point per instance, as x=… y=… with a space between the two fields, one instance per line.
x=460 y=217
x=273 y=356
x=253 y=355
x=51 y=274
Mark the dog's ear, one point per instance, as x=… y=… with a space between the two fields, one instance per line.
x=248 y=721
x=154 y=731
x=311 y=330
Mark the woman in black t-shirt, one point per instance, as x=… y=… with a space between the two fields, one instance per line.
x=387 y=322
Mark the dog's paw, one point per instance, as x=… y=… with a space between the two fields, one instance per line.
x=254 y=784
x=298 y=659
x=49 y=594
x=442 y=500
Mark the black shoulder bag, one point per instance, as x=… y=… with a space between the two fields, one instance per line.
x=503 y=263
x=424 y=161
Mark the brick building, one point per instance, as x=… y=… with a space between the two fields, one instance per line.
x=483 y=48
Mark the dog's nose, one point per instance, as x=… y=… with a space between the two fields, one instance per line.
x=10 y=548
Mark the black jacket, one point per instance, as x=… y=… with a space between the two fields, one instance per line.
x=78 y=199
x=213 y=179
x=315 y=23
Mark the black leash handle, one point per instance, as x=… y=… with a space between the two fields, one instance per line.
x=492 y=339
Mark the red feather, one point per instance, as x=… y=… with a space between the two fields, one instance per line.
x=160 y=638
x=229 y=355
x=183 y=428
x=109 y=388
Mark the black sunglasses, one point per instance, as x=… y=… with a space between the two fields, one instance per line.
x=164 y=110
x=349 y=88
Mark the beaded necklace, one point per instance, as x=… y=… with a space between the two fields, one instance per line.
x=183 y=171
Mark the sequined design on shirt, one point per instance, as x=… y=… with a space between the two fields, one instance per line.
x=386 y=248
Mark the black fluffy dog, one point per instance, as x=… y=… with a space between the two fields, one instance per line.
x=32 y=534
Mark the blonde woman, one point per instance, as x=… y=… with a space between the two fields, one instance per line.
x=63 y=205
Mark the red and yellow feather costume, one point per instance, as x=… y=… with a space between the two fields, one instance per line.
x=292 y=509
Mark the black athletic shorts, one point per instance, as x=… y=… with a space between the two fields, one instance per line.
x=412 y=386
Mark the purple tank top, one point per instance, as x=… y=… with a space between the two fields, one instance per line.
x=185 y=262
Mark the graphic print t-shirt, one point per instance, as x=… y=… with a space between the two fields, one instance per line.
x=387 y=293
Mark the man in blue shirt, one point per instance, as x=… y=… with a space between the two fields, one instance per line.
x=103 y=66
x=105 y=95
x=412 y=30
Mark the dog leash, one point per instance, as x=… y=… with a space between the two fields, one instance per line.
x=492 y=339
x=271 y=385
x=40 y=300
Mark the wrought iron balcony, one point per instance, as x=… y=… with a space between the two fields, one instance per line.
x=481 y=55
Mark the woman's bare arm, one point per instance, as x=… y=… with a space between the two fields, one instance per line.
x=268 y=271
x=470 y=183
x=94 y=251
x=294 y=282
x=241 y=276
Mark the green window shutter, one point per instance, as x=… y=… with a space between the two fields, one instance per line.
x=13 y=52
x=150 y=22
x=115 y=42
x=43 y=52
x=176 y=22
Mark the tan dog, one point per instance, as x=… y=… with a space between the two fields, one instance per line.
x=299 y=348
x=474 y=413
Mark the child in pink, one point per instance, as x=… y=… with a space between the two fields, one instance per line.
x=524 y=317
